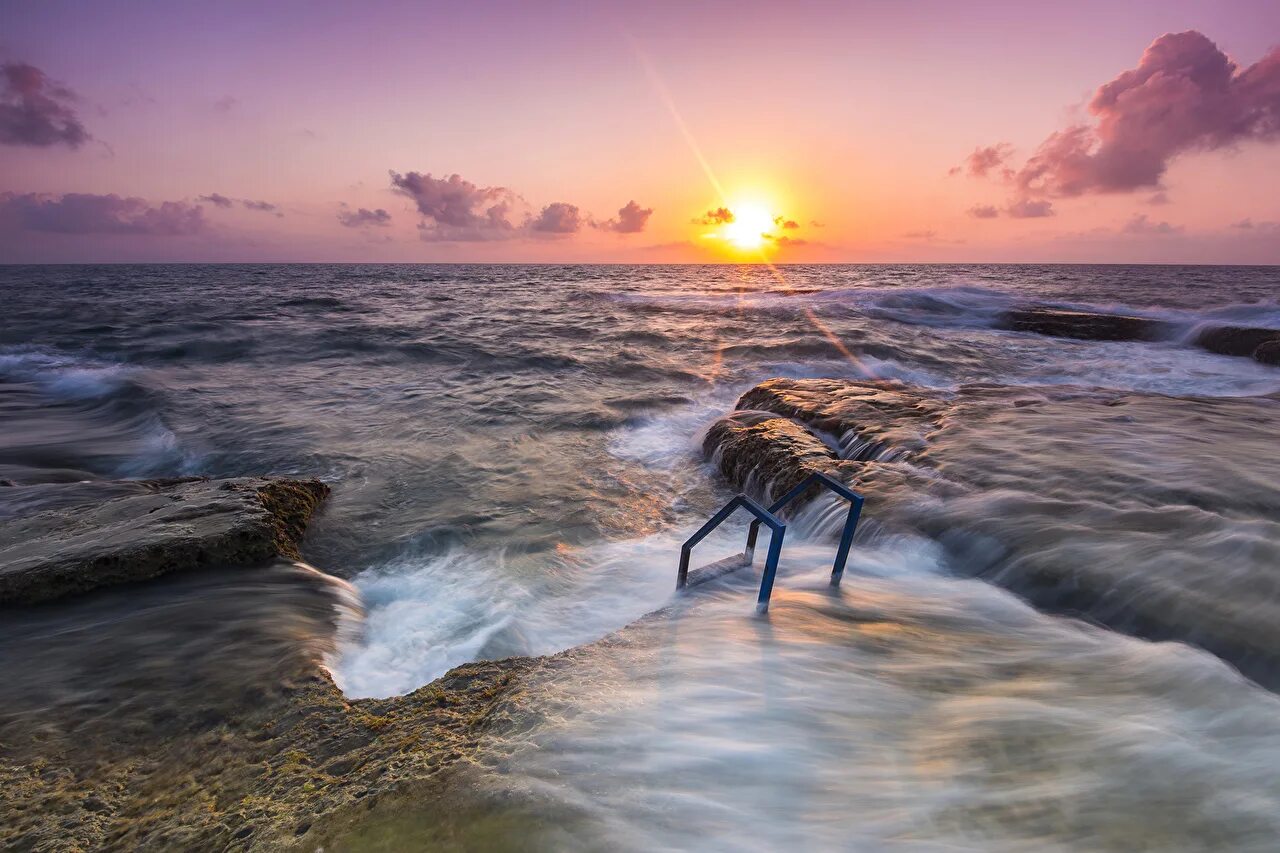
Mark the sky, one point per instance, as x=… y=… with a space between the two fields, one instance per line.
x=858 y=131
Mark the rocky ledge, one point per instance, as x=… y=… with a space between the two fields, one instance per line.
x=1155 y=515
x=100 y=534
x=1260 y=344
x=193 y=711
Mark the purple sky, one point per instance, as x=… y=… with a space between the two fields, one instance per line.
x=863 y=131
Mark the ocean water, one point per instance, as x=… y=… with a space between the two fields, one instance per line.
x=515 y=453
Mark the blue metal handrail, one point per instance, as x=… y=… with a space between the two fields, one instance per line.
x=761 y=514
x=778 y=528
x=846 y=536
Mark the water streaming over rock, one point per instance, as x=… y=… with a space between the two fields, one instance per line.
x=516 y=453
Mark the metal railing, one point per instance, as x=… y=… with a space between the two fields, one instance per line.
x=778 y=529
x=762 y=515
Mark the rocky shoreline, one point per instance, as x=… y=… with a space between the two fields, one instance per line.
x=233 y=754
x=241 y=750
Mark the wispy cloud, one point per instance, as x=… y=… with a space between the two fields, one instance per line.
x=363 y=216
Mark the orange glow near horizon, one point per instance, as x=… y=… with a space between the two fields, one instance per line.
x=752 y=228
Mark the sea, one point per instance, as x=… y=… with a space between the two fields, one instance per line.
x=515 y=454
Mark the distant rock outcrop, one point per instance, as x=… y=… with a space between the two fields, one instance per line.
x=1239 y=340
x=1260 y=344
x=1084 y=325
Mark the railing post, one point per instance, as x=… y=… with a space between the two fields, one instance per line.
x=683 y=577
x=770 y=570
x=749 y=554
x=846 y=540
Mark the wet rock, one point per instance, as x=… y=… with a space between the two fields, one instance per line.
x=1237 y=340
x=135 y=531
x=1084 y=325
x=866 y=434
x=1268 y=352
x=1052 y=494
x=772 y=451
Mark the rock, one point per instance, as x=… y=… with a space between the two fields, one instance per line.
x=151 y=528
x=1084 y=325
x=874 y=431
x=1237 y=340
x=1084 y=501
x=1268 y=352
x=193 y=712
x=767 y=449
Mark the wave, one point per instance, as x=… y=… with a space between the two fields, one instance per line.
x=72 y=416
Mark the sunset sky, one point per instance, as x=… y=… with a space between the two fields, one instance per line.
x=641 y=132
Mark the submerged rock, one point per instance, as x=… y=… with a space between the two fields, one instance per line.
x=1261 y=344
x=1268 y=352
x=1084 y=325
x=109 y=533
x=1241 y=341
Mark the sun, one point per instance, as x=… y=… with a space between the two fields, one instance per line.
x=750 y=227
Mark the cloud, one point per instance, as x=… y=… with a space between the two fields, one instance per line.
x=1158 y=199
x=1139 y=224
x=920 y=235
x=363 y=216
x=784 y=241
x=225 y=202
x=225 y=104
x=784 y=223
x=1029 y=208
x=719 y=216
x=984 y=160
x=36 y=111
x=261 y=206
x=1185 y=95
x=557 y=218
x=1248 y=226
x=86 y=213
x=216 y=199
x=983 y=211
x=455 y=209
x=632 y=219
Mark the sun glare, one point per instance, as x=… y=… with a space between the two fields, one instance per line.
x=750 y=226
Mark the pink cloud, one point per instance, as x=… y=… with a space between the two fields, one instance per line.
x=983 y=211
x=86 y=213
x=1185 y=95
x=557 y=218
x=363 y=216
x=632 y=219
x=216 y=199
x=1140 y=224
x=984 y=160
x=36 y=111
x=1029 y=208
x=455 y=209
